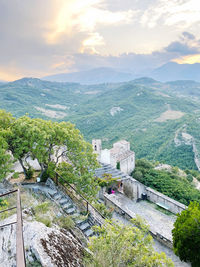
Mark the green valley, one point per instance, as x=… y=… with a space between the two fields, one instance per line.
x=161 y=120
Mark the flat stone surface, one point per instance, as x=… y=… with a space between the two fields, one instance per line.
x=84 y=226
x=158 y=221
x=89 y=232
x=63 y=201
x=57 y=196
x=67 y=206
x=70 y=211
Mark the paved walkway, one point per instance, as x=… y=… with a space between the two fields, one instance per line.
x=158 y=221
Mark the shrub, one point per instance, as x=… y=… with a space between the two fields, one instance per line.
x=66 y=222
x=44 y=219
x=29 y=173
x=42 y=208
x=107 y=213
x=190 y=178
x=15 y=175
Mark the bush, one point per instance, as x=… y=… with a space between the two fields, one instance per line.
x=107 y=213
x=106 y=180
x=42 y=208
x=118 y=165
x=138 y=175
x=190 y=178
x=15 y=175
x=44 y=219
x=29 y=173
x=50 y=172
x=65 y=222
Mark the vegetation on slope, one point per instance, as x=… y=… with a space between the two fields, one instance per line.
x=168 y=183
x=118 y=245
x=186 y=235
x=142 y=113
x=47 y=142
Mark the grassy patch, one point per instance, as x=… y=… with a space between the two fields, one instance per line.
x=65 y=222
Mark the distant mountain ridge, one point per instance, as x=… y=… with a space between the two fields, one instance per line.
x=93 y=76
x=173 y=71
x=170 y=71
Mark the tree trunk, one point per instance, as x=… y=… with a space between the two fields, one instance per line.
x=23 y=167
x=43 y=169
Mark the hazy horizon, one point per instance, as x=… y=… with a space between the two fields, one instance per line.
x=40 y=38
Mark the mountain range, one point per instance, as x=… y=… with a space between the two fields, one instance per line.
x=170 y=71
x=161 y=120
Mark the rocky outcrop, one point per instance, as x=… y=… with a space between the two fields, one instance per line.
x=49 y=246
x=183 y=138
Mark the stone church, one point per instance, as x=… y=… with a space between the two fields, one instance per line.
x=120 y=154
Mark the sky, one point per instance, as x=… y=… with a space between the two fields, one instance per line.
x=44 y=37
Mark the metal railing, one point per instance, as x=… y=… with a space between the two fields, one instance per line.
x=88 y=206
x=20 y=253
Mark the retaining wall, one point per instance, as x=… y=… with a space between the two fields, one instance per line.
x=134 y=190
x=172 y=205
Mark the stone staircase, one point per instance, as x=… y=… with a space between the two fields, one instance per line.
x=51 y=191
x=107 y=168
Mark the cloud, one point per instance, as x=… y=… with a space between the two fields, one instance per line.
x=37 y=35
x=84 y=17
x=182 y=13
x=181 y=48
x=40 y=38
x=188 y=35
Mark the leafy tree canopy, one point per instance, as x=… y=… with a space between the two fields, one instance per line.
x=6 y=120
x=49 y=143
x=119 y=245
x=186 y=234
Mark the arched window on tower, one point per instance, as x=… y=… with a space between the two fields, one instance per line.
x=95 y=148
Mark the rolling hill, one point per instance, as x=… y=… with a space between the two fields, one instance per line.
x=161 y=120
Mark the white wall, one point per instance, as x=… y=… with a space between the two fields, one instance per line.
x=105 y=156
x=128 y=165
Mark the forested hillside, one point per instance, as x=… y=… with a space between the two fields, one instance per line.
x=161 y=120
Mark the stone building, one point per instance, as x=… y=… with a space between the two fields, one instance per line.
x=120 y=154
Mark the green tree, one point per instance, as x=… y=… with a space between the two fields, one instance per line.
x=6 y=120
x=20 y=142
x=49 y=141
x=118 y=165
x=186 y=234
x=5 y=159
x=119 y=245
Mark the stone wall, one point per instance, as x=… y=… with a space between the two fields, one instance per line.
x=172 y=205
x=127 y=165
x=134 y=190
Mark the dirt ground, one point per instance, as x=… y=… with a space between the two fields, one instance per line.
x=21 y=178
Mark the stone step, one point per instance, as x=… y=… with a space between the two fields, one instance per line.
x=80 y=221
x=63 y=201
x=89 y=232
x=57 y=196
x=84 y=226
x=67 y=205
x=70 y=210
x=52 y=193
